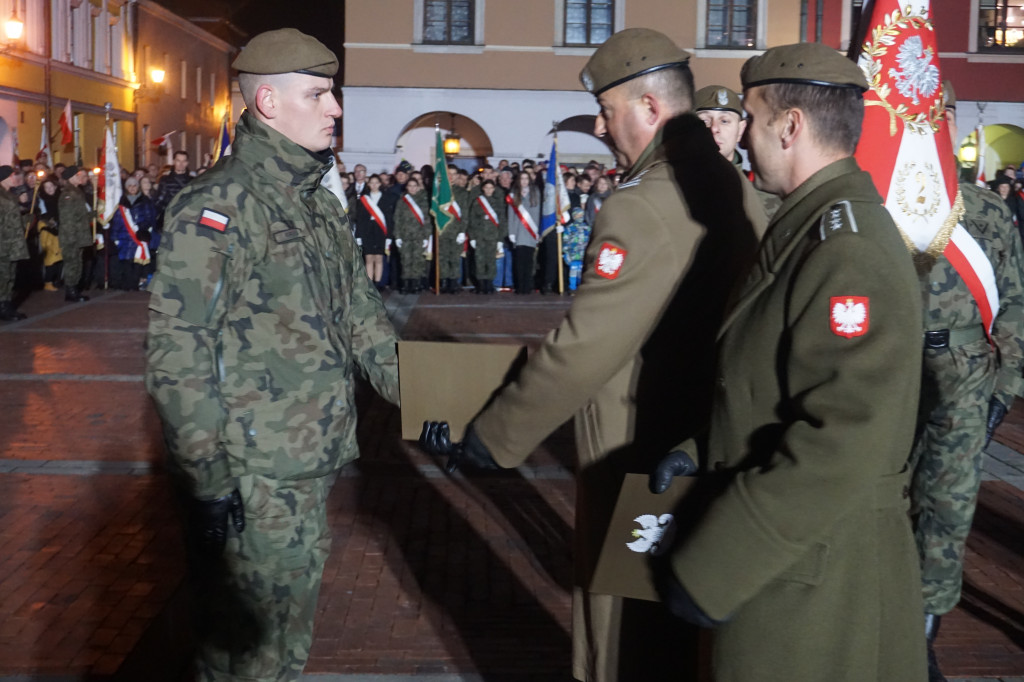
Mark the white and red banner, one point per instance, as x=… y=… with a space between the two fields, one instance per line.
x=109 y=189
x=524 y=217
x=488 y=210
x=981 y=180
x=905 y=144
x=142 y=256
x=67 y=135
x=375 y=212
x=414 y=207
x=44 y=154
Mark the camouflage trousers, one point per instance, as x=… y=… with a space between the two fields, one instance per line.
x=947 y=458
x=8 y=269
x=414 y=261
x=484 y=254
x=72 y=265
x=450 y=254
x=255 y=612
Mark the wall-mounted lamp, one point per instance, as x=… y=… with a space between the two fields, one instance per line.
x=452 y=141
x=15 y=27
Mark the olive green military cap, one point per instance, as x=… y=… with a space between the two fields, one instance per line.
x=286 y=50
x=948 y=95
x=717 y=98
x=808 y=63
x=630 y=54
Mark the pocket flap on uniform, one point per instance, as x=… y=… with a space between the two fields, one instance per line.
x=810 y=568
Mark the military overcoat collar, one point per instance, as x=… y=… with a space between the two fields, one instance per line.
x=259 y=146
x=655 y=151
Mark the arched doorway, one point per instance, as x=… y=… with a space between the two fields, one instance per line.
x=416 y=141
x=577 y=143
x=1004 y=146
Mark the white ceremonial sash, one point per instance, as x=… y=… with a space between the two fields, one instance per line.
x=488 y=210
x=414 y=207
x=374 y=211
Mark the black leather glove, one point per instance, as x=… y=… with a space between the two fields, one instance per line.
x=675 y=463
x=209 y=522
x=996 y=414
x=469 y=455
x=675 y=598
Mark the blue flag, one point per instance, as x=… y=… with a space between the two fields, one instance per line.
x=556 y=198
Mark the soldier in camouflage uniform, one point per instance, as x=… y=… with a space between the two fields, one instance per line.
x=412 y=230
x=75 y=217
x=261 y=316
x=485 y=229
x=453 y=237
x=968 y=385
x=12 y=242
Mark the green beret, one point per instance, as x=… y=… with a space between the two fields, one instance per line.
x=70 y=172
x=284 y=51
x=948 y=95
x=629 y=54
x=717 y=98
x=808 y=63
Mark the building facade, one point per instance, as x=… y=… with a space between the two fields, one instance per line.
x=502 y=75
x=93 y=53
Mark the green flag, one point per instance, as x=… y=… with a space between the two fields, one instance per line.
x=441 y=197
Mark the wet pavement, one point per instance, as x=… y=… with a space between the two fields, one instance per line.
x=431 y=577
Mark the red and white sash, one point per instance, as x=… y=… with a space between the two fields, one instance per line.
x=141 y=247
x=374 y=212
x=414 y=207
x=454 y=209
x=975 y=269
x=488 y=210
x=524 y=217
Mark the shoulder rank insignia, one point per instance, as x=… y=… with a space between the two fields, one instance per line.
x=213 y=220
x=633 y=182
x=840 y=215
x=610 y=260
x=849 y=315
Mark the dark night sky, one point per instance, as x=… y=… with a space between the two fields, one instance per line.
x=324 y=19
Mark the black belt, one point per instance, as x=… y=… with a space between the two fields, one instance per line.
x=944 y=338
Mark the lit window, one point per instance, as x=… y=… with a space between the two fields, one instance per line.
x=1000 y=25
x=588 y=22
x=448 y=22
x=732 y=23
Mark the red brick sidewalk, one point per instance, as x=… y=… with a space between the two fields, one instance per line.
x=429 y=574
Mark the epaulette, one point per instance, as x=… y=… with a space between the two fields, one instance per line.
x=633 y=182
x=837 y=218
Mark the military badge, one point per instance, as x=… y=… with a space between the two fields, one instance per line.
x=723 y=98
x=849 y=316
x=213 y=220
x=610 y=260
x=654 y=535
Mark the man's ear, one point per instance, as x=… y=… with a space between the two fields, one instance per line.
x=652 y=108
x=266 y=101
x=794 y=125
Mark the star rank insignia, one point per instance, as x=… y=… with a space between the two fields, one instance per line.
x=849 y=315
x=610 y=260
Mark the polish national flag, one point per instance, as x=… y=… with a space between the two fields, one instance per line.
x=67 y=135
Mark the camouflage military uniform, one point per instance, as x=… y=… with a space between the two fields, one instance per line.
x=261 y=313
x=412 y=234
x=451 y=251
x=74 y=216
x=959 y=381
x=12 y=242
x=486 y=235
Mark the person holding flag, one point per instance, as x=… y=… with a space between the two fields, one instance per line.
x=413 y=236
x=453 y=236
x=553 y=218
x=973 y=357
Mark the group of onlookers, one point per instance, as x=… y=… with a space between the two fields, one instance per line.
x=496 y=240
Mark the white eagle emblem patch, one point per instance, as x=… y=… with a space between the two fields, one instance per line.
x=654 y=535
x=916 y=75
x=723 y=97
x=849 y=315
x=610 y=260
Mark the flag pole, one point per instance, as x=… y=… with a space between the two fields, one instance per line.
x=558 y=218
x=35 y=197
x=436 y=255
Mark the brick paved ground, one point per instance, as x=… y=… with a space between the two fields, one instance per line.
x=432 y=577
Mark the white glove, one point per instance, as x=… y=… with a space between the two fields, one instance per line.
x=472 y=242
x=387 y=245
x=398 y=243
x=559 y=229
x=97 y=240
x=426 y=244
x=501 y=249
x=512 y=238
x=461 y=239
x=359 y=241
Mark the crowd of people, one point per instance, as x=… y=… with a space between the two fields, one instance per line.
x=56 y=241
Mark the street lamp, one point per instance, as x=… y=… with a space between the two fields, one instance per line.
x=452 y=142
x=15 y=27
x=157 y=75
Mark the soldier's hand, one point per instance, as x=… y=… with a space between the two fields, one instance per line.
x=398 y=243
x=996 y=414
x=469 y=455
x=209 y=522
x=460 y=238
x=472 y=242
x=675 y=463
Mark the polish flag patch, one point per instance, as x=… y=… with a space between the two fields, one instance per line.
x=213 y=220
x=849 y=316
x=610 y=260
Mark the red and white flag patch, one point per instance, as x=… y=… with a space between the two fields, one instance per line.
x=213 y=220
x=610 y=260
x=849 y=316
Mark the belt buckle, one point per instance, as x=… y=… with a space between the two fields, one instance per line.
x=937 y=339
